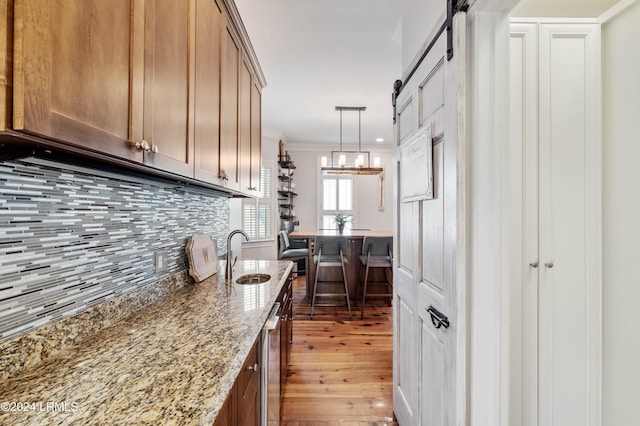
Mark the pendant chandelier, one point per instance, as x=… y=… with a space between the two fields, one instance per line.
x=351 y=162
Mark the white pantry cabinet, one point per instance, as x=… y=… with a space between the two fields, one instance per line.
x=557 y=293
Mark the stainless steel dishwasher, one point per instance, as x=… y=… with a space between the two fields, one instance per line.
x=270 y=388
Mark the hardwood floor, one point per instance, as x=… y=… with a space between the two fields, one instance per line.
x=340 y=371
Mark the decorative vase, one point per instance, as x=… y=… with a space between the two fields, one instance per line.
x=341 y=228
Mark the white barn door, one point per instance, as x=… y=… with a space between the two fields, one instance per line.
x=430 y=220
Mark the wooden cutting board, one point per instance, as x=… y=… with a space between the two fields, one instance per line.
x=202 y=252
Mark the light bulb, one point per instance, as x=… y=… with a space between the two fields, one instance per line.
x=376 y=161
x=342 y=160
x=323 y=161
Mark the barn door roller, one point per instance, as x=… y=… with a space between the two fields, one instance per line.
x=453 y=7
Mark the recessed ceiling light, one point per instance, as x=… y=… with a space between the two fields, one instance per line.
x=379 y=140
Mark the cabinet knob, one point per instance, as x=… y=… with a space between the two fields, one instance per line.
x=143 y=145
x=549 y=264
x=154 y=148
x=253 y=368
x=533 y=264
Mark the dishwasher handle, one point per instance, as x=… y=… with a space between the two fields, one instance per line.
x=273 y=319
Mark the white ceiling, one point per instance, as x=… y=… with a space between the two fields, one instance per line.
x=316 y=54
x=562 y=8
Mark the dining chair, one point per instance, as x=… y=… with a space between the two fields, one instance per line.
x=329 y=252
x=293 y=254
x=377 y=252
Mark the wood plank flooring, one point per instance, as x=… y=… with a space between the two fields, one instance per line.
x=340 y=373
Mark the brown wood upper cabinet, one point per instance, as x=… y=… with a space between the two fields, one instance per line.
x=163 y=83
x=107 y=76
x=209 y=24
x=250 y=131
x=256 y=135
x=168 y=85
x=229 y=124
x=245 y=127
x=73 y=69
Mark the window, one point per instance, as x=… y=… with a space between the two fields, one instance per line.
x=337 y=196
x=257 y=219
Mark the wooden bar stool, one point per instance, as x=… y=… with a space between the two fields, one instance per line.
x=329 y=253
x=293 y=254
x=376 y=253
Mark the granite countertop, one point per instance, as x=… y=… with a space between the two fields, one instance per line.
x=173 y=362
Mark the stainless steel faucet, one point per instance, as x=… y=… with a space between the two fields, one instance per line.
x=230 y=261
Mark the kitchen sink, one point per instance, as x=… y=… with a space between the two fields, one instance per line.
x=253 y=279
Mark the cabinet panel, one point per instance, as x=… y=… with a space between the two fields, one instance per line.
x=6 y=64
x=167 y=86
x=433 y=227
x=227 y=414
x=244 y=156
x=229 y=108
x=569 y=302
x=405 y=355
x=207 y=89
x=248 y=389
x=84 y=96
x=256 y=136
x=432 y=372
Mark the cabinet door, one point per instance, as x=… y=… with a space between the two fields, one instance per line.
x=248 y=389
x=229 y=107
x=244 y=156
x=227 y=414
x=6 y=64
x=569 y=287
x=256 y=135
x=73 y=62
x=207 y=87
x=167 y=85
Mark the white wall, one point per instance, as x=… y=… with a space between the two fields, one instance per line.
x=307 y=176
x=489 y=218
x=420 y=21
x=621 y=217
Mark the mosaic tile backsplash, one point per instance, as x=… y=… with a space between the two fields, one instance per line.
x=72 y=238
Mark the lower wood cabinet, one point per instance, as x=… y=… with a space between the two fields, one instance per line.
x=286 y=330
x=242 y=407
x=227 y=415
x=248 y=388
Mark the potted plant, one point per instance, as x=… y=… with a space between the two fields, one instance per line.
x=341 y=219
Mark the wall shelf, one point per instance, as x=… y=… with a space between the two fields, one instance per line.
x=286 y=191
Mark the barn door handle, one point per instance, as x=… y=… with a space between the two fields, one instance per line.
x=438 y=319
